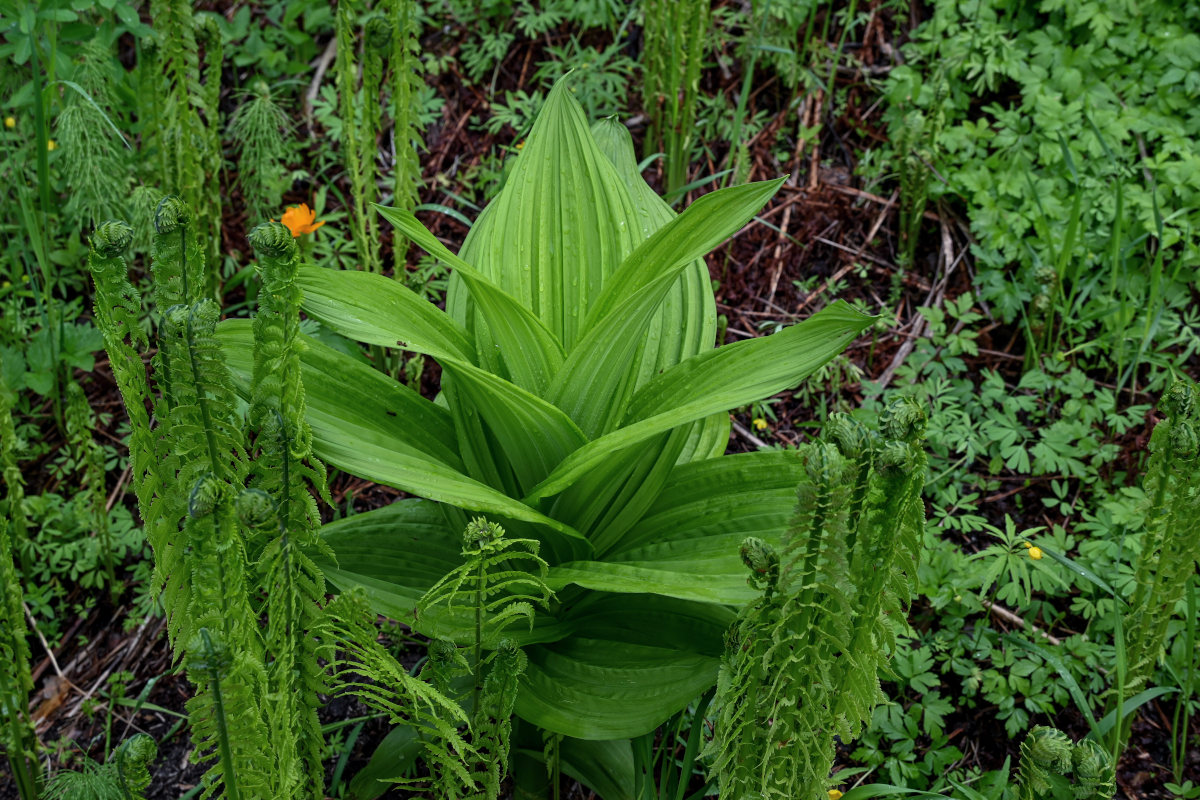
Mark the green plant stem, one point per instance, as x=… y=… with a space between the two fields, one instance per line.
x=477 y=663
x=229 y=773
x=1179 y=723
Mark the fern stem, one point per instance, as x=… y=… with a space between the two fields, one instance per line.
x=229 y=772
x=477 y=664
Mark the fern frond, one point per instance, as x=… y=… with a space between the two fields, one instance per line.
x=1170 y=547
x=366 y=670
x=778 y=684
x=10 y=471
x=888 y=531
x=500 y=580
x=407 y=81
x=491 y=722
x=125 y=776
x=227 y=728
x=17 y=737
x=283 y=472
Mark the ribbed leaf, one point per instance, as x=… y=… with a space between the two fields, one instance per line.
x=348 y=400
x=563 y=222
x=687 y=545
x=697 y=231
x=686 y=322
x=425 y=477
x=533 y=436
x=371 y=308
x=605 y=767
x=528 y=349
x=590 y=385
x=632 y=661
x=719 y=380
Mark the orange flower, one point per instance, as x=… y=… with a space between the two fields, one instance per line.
x=301 y=219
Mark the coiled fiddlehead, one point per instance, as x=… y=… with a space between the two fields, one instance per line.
x=125 y=776
x=283 y=473
x=886 y=548
x=777 y=685
x=1053 y=767
x=407 y=82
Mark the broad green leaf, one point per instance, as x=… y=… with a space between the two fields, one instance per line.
x=349 y=401
x=614 y=495
x=605 y=767
x=596 y=377
x=693 y=234
x=563 y=222
x=530 y=351
x=688 y=544
x=632 y=661
x=377 y=310
x=394 y=554
x=427 y=478
x=395 y=756
x=686 y=322
x=721 y=379
x=532 y=434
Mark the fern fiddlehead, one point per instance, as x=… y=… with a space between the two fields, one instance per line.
x=886 y=545
x=283 y=472
x=10 y=471
x=125 y=776
x=1170 y=546
x=802 y=660
x=406 y=83
x=1052 y=766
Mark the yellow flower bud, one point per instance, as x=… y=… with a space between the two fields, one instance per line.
x=10 y=122
x=51 y=144
x=760 y=424
x=835 y=794
x=1027 y=544
x=1035 y=553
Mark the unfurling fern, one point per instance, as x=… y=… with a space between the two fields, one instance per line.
x=406 y=105
x=1053 y=767
x=887 y=523
x=10 y=472
x=225 y=717
x=1170 y=547
x=498 y=583
x=802 y=661
x=125 y=776
x=184 y=131
x=283 y=472
x=117 y=309
x=366 y=670
x=17 y=737
x=675 y=32
x=389 y=35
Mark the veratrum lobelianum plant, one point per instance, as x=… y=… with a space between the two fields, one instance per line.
x=583 y=406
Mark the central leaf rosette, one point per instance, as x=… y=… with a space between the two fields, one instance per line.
x=583 y=404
